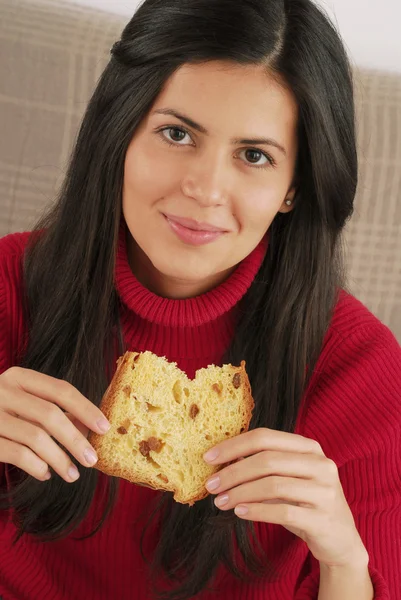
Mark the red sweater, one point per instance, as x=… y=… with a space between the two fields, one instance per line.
x=352 y=409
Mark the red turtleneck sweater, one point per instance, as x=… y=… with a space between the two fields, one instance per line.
x=352 y=408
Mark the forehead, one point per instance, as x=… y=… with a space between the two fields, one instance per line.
x=220 y=94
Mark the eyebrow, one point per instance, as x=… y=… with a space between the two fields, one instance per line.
x=201 y=129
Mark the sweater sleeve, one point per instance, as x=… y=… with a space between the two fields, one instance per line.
x=309 y=589
x=355 y=415
x=11 y=319
x=3 y=354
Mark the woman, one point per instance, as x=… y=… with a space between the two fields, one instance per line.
x=201 y=219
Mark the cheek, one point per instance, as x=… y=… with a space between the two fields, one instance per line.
x=258 y=209
x=148 y=176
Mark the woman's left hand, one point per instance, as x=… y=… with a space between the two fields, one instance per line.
x=285 y=478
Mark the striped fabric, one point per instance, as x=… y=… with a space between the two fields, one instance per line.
x=52 y=53
x=373 y=235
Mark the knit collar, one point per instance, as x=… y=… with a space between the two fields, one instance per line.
x=188 y=312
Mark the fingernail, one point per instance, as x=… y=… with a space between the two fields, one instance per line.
x=90 y=456
x=47 y=476
x=221 y=500
x=103 y=425
x=241 y=510
x=211 y=455
x=73 y=472
x=213 y=483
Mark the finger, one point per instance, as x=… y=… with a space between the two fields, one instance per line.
x=58 y=392
x=280 y=514
x=52 y=419
x=80 y=426
x=265 y=463
x=284 y=489
x=36 y=439
x=22 y=457
x=258 y=440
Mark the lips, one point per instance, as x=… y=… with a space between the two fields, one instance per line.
x=184 y=230
x=194 y=225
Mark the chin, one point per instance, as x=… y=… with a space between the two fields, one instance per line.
x=185 y=269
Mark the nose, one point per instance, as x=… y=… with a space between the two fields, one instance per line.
x=206 y=179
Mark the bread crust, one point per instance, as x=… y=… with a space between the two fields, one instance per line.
x=113 y=396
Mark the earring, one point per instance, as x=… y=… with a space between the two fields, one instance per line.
x=288 y=202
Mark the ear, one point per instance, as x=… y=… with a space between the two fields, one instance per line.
x=285 y=208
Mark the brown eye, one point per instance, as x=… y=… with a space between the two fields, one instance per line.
x=253 y=155
x=177 y=134
x=173 y=135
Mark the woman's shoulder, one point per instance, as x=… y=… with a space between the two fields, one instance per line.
x=358 y=339
x=351 y=317
x=13 y=245
x=12 y=248
x=354 y=331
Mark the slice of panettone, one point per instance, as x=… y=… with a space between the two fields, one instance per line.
x=162 y=422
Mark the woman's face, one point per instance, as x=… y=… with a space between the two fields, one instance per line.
x=199 y=191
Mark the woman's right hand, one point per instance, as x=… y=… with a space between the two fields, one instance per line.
x=31 y=414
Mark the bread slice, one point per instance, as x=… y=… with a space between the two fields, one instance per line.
x=162 y=422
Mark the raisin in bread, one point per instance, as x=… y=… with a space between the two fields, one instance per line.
x=162 y=422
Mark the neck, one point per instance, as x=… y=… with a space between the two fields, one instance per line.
x=165 y=286
x=188 y=311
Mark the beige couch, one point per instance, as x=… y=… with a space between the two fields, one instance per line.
x=51 y=54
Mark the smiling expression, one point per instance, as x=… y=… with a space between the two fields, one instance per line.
x=206 y=172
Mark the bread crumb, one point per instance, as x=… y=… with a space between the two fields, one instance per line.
x=122 y=430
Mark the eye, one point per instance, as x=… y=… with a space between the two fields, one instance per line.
x=178 y=135
x=175 y=132
x=254 y=155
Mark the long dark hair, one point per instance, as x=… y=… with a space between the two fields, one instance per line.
x=72 y=306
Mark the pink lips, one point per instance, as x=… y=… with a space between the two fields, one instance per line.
x=194 y=233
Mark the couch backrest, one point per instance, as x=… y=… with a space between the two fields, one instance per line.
x=51 y=55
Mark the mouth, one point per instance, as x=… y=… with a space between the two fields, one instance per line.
x=193 y=233
x=195 y=225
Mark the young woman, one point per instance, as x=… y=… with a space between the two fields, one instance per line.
x=201 y=219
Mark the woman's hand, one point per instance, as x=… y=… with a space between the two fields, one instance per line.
x=286 y=479
x=31 y=414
